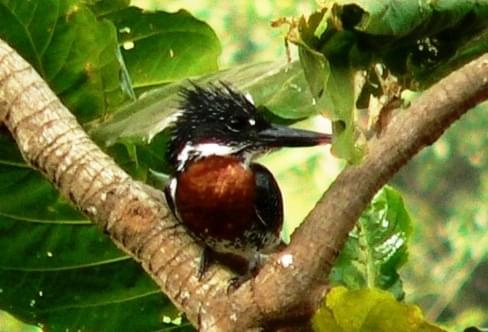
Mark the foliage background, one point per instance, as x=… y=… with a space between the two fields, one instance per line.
x=445 y=187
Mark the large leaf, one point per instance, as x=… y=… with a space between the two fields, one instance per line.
x=280 y=87
x=59 y=271
x=11 y=324
x=396 y=18
x=75 y=47
x=136 y=135
x=181 y=45
x=85 y=297
x=368 y=310
x=56 y=269
x=74 y=51
x=399 y=18
x=377 y=247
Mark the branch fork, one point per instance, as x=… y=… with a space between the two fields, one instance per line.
x=292 y=283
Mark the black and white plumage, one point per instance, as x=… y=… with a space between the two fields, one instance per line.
x=228 y=203
x=216 y=119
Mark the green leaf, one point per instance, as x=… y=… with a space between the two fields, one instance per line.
x=279 y=87
x=417 y=41
x=378 y=17
x=316 y=69
x=11 y=324
x=331 y=82
x=75 y=47
x=400 y=18
x=28 y=27
x=136 y=133
x=377 y=247
x=94 y=298
x=58 y=270
x=339 y=99
x=412 y=38
x=368 y=310
x=315 y=65
x=75 y=52
x=105 y=7
x=184 y=45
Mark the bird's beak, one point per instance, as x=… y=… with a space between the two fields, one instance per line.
x=281 y=136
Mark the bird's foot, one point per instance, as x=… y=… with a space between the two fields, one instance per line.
x=236 y=282
x=252 y=270
x=205 y=259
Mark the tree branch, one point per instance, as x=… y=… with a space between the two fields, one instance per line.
x=136 y=217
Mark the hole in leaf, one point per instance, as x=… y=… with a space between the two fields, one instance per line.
x=338 y=126
x=351 y=15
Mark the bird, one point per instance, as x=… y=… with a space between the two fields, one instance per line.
x=230 y=204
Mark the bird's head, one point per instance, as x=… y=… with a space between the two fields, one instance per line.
x=218 y=120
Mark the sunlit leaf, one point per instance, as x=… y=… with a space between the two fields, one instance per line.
x=279 y=87
x=9 y=323
x=56 y=269
x=139 y=127
x=377 y=247
x=181 y=45
x=74 y=52
x=368 y=310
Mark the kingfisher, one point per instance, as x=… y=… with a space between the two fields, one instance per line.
x=231 y=205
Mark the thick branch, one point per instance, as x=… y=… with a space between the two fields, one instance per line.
x=316 y=242
x=137 y=218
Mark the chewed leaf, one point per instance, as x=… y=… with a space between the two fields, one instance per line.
x=385 y=17
x=399 y=18
x=331 y=81
x=417 y=42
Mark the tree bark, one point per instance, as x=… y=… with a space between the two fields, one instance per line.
x=291 y=284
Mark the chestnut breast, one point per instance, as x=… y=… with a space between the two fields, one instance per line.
x=215 y=198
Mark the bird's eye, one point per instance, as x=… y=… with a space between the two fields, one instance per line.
x=240 y=123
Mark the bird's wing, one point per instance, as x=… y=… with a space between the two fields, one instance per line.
x=268 y=203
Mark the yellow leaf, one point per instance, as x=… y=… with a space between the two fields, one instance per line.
x=369 y=310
